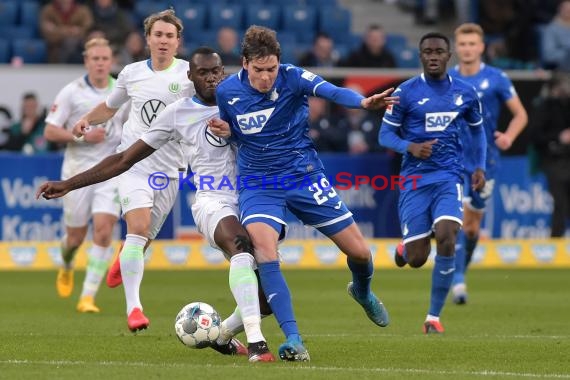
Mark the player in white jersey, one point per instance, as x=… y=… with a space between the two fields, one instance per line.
x=99 y=202
x=214 y=175
x=149 y=85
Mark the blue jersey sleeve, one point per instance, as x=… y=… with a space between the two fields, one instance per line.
x=505 y=88
x=308 y=83
x=474 y=119
x=389 y=135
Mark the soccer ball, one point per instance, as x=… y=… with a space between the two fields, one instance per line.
x=197 y=325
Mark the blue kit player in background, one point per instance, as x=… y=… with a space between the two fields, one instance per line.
x=425 y=127
x=494 y=89
x=264 y=109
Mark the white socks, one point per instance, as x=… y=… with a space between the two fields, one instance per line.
x=244 y=287
x=96 y=267
x=132 y=269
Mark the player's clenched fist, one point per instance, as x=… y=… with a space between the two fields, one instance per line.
x=422 y=150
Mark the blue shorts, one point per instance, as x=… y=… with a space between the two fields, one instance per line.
x=313 y=200
x=422 y=208
x=477 y=200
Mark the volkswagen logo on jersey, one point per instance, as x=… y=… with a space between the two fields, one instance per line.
x=253 y=122
x=214 y=140
x=150 y=110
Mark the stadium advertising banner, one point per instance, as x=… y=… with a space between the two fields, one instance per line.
x=302 y=254
x=521 y=206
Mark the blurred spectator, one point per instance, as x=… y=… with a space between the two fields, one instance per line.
x=322 y=53
x=5 y=124
x=112 y=20
x=556 y=39
x=134 y=50
x=27 y=135
x=550 y=130
x=428 y=12
x=508 y=25
x=361 y=128
x=228 y=46
x=64 y=24
x=322 y=128
x=373 y=52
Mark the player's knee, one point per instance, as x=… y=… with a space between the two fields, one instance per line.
x=74 y=240
x=138 y=227
x=445 y=245
x=102 y=235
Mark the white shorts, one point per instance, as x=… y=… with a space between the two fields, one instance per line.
x=209 y=210
x=101 y=198
x=135 y=192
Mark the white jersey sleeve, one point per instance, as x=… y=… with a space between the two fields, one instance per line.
x=61 y=108
x=72 y=102
x=119 y=95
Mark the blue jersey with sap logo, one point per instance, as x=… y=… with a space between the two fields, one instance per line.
x=424 y=114
x=494 y=88
x=271 y=129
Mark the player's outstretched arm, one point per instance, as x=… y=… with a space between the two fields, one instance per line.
x=110 y=167
x=97 y=115
x=379 y=101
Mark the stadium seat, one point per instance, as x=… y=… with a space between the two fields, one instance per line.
x=13 y=32
x=9 y=12
x=336 y=22
x=300 y=20
x=225 y=15
x=4 y=51
x=202 y=37
x=284 y=3
x=324 y=3
x=286 y=37
x=193 y=17
x=408 y=58
x=29 y=14
x=30 y=50
x=264 y=15
x=289 y=53
x=396 y=42
x=145 y=8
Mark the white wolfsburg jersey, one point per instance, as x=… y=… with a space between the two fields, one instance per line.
x=73 y=102
x=150 y=92
x=211 y=158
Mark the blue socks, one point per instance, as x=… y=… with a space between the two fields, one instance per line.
x=361 y=277
x=441 y=279
x=278 y=297
x=460 y=266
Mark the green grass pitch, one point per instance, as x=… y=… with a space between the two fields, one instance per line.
x=516 y=325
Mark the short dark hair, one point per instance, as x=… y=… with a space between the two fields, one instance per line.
x=434 y=35
x=259 y=42
x=29 y=95
x=205 y=50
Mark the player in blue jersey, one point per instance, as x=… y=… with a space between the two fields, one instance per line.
x=264 y=109
x=425 y=127
x=494 y=89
